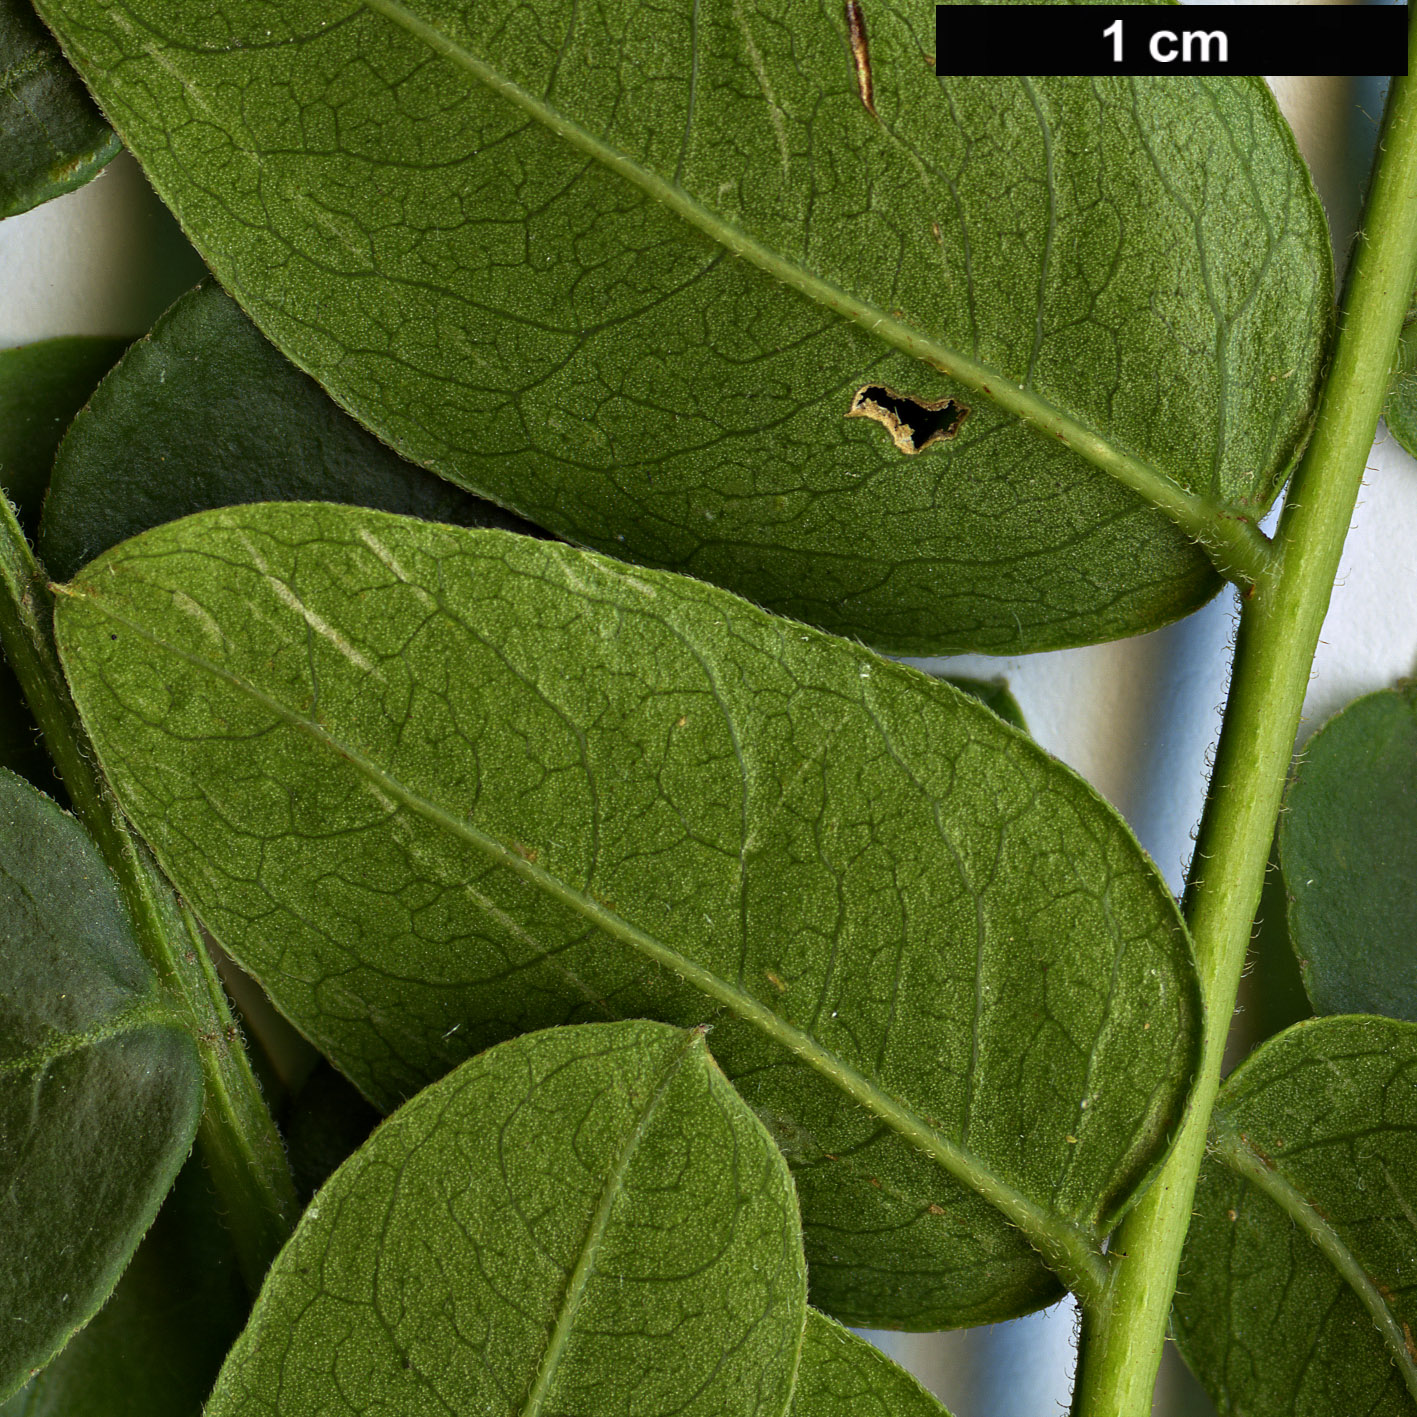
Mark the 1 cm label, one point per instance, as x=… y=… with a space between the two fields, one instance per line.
x=1171 y=46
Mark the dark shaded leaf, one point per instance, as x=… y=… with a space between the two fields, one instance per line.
x=993 y=694
x=1348 y=849
x=42 y=387
x=433 y=787
x=1296 y=1295
x=52 y=138
x=325 y=1123
x=205 y=413
x=656 y=278
x=155 y=1347
x=100 y=1090
x=1272 y=989
x=20 y=750
x=582 y=1220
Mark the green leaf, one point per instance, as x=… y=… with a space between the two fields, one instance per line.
x=433 y=787
x=844 y=1376
x=100 y=1089
x=42 y=386
x=155 y=1347
x=19 y=736
x=205 y=398
x=326 y=1123
x=1348 y=849
x=1295 y=1297
x=993 y=694
x=635 y=272
x=1400 y=411
x=582 y=1220
x=52 y=138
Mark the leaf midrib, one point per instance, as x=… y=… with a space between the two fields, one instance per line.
x=595 y=1233
x=148 y=1013
x=1069 y=1248
x=1195 y=514
x=1234 y=1150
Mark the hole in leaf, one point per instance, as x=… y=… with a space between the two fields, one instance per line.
x=914 y=424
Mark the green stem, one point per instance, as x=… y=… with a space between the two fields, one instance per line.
x=236 y=1136
x=1279 y=630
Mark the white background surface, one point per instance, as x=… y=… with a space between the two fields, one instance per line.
x=1138 y=718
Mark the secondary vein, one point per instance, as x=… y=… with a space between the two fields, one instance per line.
x=1242 y=1159
x=145 y=1014
x=1240 y=551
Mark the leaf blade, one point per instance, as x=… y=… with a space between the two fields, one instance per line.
x=1294 y=1296
x=1400 y=410
x=686 y=408
x=607 y=1213
x=155 y=1347
x=52 y=136
x=42 y=387
x=603 y=779
x=1348 y=850
x=100 y=1089
x=842 y=1375
x=207 y=399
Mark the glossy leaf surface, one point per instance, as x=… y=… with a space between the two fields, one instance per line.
x=205 y=413
x=582 y=1221
x=100 y=1090
x=1348 y=849
x=1296 y=1293
x=434 y=787
x=156 y=1346
x=42 y=387
x=657 y=279
x=844 y=1376
x=52 y=138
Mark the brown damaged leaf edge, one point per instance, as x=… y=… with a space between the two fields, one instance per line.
x=914 y=424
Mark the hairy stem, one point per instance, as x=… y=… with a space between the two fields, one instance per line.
x=237 y=1139
x=1279 y=630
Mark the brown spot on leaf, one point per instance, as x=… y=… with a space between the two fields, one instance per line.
x=936 y=1209
x=914 y=424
